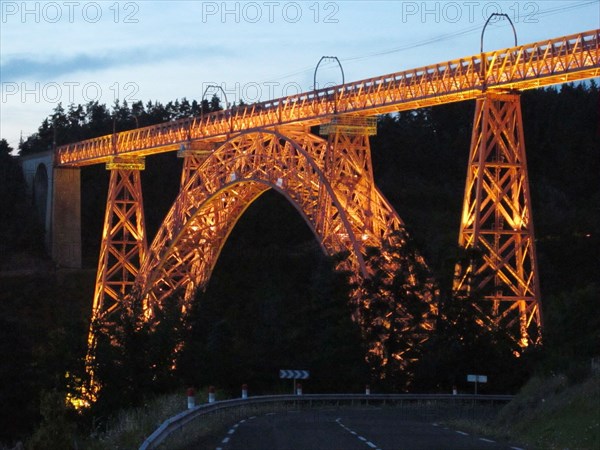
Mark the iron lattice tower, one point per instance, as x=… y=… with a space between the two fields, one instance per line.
x=496 y=220
x=123 y=246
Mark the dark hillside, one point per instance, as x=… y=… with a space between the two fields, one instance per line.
x=274 y=300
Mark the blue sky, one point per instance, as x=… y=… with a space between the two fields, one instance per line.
x=77 y=51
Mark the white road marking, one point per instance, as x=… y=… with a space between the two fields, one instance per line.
x=487 y=440
x=462 y=432
x=354 y=433
x=225 y=440
x=517 y=448
x=231 y=431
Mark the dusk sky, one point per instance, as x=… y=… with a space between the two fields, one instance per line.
x=80 y=51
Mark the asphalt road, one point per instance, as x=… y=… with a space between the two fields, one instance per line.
x=347 y=429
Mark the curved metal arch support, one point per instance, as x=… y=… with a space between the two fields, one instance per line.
x=189 y=265
x=329 y=182
x=268 y=158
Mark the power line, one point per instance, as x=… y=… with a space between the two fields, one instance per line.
x=437 y=39
x=472 y=29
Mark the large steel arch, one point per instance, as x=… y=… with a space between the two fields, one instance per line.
x=329 y=181
x=218 y=192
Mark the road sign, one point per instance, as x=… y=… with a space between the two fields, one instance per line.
x=477 y=378
x=294 y=374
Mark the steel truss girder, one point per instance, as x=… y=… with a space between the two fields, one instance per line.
x=529 y=66
x=496 y=219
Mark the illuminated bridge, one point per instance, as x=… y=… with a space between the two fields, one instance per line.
x=231 y=157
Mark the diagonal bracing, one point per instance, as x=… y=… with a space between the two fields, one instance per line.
x=497 y=220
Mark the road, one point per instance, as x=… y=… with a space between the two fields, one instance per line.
x=346 y=429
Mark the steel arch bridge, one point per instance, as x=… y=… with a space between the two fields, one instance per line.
x=231 y=157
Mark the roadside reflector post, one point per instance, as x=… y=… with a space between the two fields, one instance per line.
x=211 y=394
x=299 y=389
x=191 y=398
x=244 y=391
x=367 y=390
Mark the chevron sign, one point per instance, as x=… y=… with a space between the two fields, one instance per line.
x=294 y=374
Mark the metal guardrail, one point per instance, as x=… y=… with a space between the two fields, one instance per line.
x=178 y=421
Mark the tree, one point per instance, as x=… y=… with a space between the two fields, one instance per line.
x=134 y=354
x=572 y=325
x=56 y=430
x=465 y=342
x=19 y=229
x=5 y=148
x=395 y=310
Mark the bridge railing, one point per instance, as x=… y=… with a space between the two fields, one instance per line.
x=178 y=422
x=523 y=67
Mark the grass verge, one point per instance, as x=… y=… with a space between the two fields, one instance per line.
x=548 y=413
x=131 y=427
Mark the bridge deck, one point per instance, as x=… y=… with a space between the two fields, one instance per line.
x=555 y=61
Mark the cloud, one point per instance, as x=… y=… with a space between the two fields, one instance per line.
x=43 y=67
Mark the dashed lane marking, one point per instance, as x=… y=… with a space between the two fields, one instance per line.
x=354 y=433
